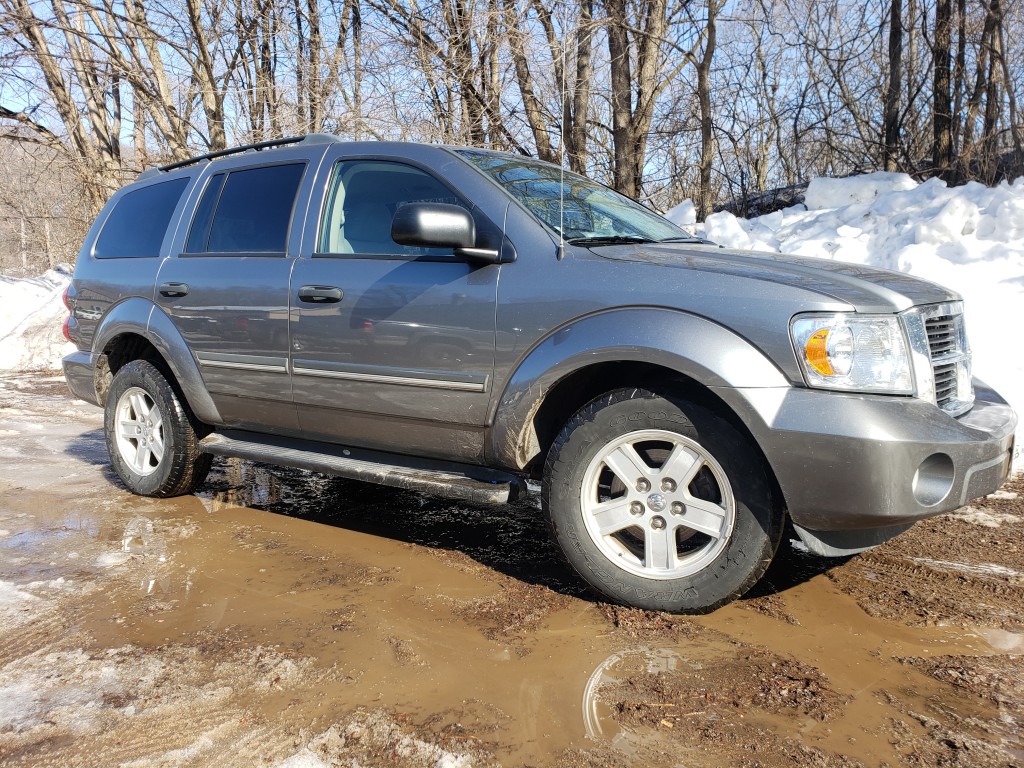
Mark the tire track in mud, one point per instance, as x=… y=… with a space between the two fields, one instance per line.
x=45 y=634
x=949 y=570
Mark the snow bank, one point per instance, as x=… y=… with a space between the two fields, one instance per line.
x=683 y=215
x=969 y=238
x=31 y=317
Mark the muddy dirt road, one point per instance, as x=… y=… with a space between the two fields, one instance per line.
x=283 y=618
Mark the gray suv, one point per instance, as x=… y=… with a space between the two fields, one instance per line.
x=455 y=321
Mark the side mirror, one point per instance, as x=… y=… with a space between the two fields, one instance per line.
x=437 y=225
x=433 y=225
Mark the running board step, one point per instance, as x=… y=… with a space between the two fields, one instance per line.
x=439 y=478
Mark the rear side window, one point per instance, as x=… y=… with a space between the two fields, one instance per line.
x=249 y=211
x=136 y=227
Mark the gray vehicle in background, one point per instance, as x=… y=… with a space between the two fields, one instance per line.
x=455 y=321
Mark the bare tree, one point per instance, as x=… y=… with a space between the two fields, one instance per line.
x=891 y=116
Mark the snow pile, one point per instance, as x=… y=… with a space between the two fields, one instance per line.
x=31 y=316
x=683 y=215
x=969 y=238
x=824 y=193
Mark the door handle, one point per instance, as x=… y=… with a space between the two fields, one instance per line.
x=173 y=290
x=320 y=294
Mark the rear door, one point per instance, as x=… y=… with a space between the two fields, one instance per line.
x=392 y=346
x=226 y=289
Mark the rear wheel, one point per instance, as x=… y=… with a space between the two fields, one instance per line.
x=660 y=503
x=151 y=435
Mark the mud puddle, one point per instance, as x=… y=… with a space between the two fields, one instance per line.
x=283 y=618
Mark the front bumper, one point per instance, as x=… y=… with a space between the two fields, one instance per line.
x=849 y=462
x=80 y=372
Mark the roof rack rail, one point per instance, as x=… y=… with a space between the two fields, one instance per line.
x=313 y=138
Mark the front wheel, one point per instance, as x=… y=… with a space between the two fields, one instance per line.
x=660 y=503
x=151 y=434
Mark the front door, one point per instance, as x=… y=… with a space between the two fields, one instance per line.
x=392 y=347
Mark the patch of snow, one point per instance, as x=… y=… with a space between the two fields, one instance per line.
x=32 y=314
x=348 y=744
x=303 y=759
x=1000 y=494
x=984 y=518
x=982 y=569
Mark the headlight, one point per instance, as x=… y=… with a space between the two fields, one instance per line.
x=860 y=353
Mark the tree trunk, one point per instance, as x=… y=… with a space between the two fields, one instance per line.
x=624 y=164
x=891 y=118
x=942 y=109
x=705 y=196
x=577 y=128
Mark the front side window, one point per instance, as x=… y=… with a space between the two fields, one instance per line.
x=136 y=227
x=579 y=209
x=246 y=211
x=361 y=203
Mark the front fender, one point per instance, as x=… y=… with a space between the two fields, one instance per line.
x=140 y=317
x=690 y=345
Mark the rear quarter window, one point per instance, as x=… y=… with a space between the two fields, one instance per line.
x=136 y=226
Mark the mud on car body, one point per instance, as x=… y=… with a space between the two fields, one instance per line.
x=456 y=321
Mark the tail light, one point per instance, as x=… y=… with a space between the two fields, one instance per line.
x=66 y=298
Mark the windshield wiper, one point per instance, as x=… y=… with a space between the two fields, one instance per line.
x=609 y=240
x=690 y=239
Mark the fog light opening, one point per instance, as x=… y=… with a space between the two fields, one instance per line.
x=933 y=480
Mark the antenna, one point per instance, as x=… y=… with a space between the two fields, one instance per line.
x=560 y=253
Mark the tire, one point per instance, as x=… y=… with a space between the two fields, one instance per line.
x=151 y=434
x=659 y=503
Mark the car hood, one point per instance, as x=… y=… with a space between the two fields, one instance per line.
x=868 y=289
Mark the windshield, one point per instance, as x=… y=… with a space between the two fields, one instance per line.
x=585 y=212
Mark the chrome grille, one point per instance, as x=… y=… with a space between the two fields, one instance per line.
x=942 y=335
x=950 y=357
x=945 y=383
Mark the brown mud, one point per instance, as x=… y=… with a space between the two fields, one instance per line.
x=284 y=618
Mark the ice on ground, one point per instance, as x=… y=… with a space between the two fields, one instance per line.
x=32 y=314
x=968 y=238
x=33 y=687
x=17 y=605
x=112 y=559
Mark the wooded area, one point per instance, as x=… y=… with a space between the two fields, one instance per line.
x=662 y=99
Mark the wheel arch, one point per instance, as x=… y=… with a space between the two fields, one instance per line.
x=137 y=330
x=662 y=350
